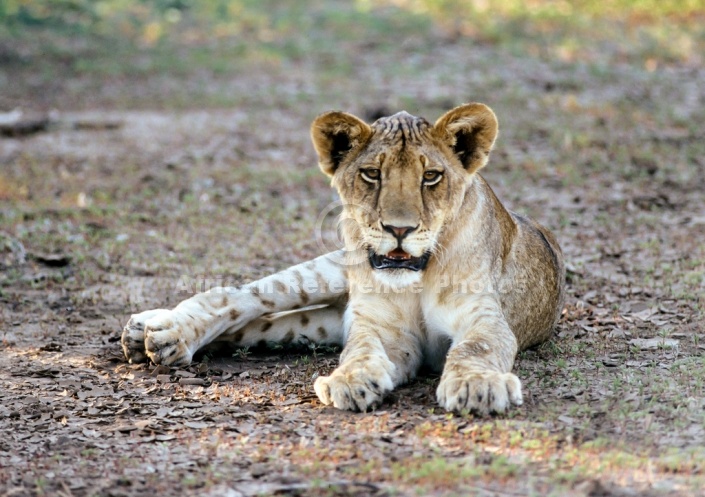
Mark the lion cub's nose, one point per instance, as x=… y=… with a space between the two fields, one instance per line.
x=399 y=232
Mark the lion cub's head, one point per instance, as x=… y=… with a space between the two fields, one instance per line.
x=401 y=179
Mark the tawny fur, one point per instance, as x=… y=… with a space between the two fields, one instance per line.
x=493 y=283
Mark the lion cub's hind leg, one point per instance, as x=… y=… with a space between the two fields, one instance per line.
x=321 y=325
x=133 y=335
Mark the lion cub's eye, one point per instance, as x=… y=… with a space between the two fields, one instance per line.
x=432 y=177
x=371 y=175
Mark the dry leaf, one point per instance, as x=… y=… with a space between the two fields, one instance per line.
x=196 y=425
x=654 y=343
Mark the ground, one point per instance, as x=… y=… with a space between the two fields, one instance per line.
x=166 y=172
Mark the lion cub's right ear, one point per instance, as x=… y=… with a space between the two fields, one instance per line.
x=334 y=135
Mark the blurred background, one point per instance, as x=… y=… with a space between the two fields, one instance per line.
x=186 y=53
x=181 y=109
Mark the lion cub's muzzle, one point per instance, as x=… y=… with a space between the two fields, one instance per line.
x=398 y=259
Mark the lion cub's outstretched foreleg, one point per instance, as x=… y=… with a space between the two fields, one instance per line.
x=172 y=337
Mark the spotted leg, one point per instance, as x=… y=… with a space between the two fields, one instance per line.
x=172 y=337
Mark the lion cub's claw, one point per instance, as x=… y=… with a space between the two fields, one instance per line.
x=481 y=392
x=356 y=388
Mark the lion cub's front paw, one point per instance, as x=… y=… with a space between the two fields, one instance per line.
x=357 y=386
x=160 y=335
x=481 y=392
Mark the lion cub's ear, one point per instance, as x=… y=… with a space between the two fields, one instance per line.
x=470 y=131
x=334 y=135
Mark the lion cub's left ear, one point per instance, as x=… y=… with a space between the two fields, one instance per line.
x=335 y=135
x=470 y=131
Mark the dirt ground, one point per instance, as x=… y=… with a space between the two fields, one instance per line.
x=150 y=186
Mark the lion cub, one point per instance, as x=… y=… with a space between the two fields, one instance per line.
x=434 y=271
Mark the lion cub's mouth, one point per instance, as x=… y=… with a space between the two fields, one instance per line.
x=398 y=259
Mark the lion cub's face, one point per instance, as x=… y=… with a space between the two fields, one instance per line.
x=402 y=179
